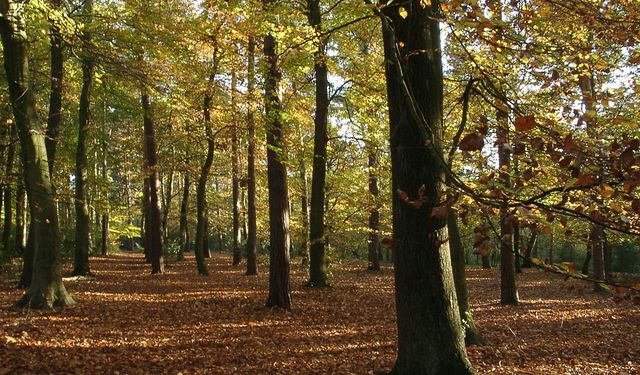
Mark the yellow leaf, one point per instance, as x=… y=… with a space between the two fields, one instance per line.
x=403 y=12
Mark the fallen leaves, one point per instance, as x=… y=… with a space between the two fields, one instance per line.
x=129 y=322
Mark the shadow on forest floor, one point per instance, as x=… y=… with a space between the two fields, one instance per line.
x=130 y=322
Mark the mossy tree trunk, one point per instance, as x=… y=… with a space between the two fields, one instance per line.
x=46 y=288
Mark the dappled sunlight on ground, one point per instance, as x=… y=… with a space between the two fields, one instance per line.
x=130 y=322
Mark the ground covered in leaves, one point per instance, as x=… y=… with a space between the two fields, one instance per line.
x=127 y=321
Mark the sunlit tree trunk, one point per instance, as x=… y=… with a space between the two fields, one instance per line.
x=83 y=221
x=154 y=233
x=430 y=335
x=46 y=288
x=252 y=264
x=279 y=295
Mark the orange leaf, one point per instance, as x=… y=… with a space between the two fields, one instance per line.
x=525 y=123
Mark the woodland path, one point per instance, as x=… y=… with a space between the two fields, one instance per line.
x=130 y=322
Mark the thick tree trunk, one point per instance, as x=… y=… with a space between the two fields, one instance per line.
x=184 y=211
x=430 y=335
x=202 y=239
x=508 y=288
x=279 y=295
x=374 y=215
x=83 y=221
x=317 y=257
x=252 y=264
x=235 y=183
x=154 y=233
x=55 y=93
x=471 y=334
x=46 y=288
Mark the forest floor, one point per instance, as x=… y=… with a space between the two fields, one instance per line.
x=127 y=321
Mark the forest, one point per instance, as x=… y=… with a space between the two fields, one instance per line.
x=320 y=187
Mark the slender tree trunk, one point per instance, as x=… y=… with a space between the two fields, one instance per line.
x=83 y=221
x=587 y=260
x=528 y=252
x=471 y=334
x=279 y=295
x=516 y=248
x=46 y=288
x=304 y=208
x=184 y=211
x=374 y=215
x=235 y=183
x=597 y=254
x=206 y=245
x=7 y=228
x=608 y=258
x=508 y=288
x=145 y=224
x=430 y=335
x=168 y=195
x=317 y=264
x=486 y=261
x=104 y=238
x=21 y=225
x=55 y=93
x=154 y=233
x=252 y=264
x=202 y=239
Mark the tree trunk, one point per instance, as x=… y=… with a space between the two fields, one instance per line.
x=55 y=93
x=516 y=248
x=374 y=215
x=486 y=261
x=184 y=212
x=201 y=191
x=471 y=334
x=235 y=183
x=104 y=238
x=528 y=252
x=7 y=228
x=508 y=288
x=144 y=225
x=21 y=225
x=46 y=289
x=430 y=335
x=587 y=260
x=83 y=221
x=168 y=195
x=252 y=264
x=317 y=258
x=597 y=254
x=304 y=208
x=279 y=295
x=154 y=234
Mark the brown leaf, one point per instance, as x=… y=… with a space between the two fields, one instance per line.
x=525 y=123
x=471 y=142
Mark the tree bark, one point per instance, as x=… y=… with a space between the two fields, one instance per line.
x=201 y=191
x=168 y=197
x=7 y=228
x=317 y=257
x=46 y=288
x=374 y=215
x=508 y=288
x=21 y=225
x=430 y=335
x=471 y=333
x=83 y=221
x=184 y=223
x=55 y=92
x=104 y=238
x=252 y=264
x=154 y=233
x=304 y=209
x=279 y=295
x=235 y=183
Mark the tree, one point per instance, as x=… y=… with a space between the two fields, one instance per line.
x=235 y=182
x=317 y=258
x=83 y=221
x=430 y=337
x=279 y=242
x=252 y=266
x=153 y=233
x=46 y=288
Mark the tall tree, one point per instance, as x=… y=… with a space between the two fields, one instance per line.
x=56 y=76
x=317 y=257
x=184 y=212
x=252 y=266
x=46 y=288
x=374 y=214
x=8 y=192
x=430 y=336
x=235 y=182
x=83 y=221
x=153 y=216
x=508 y=288
x=279 y=242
